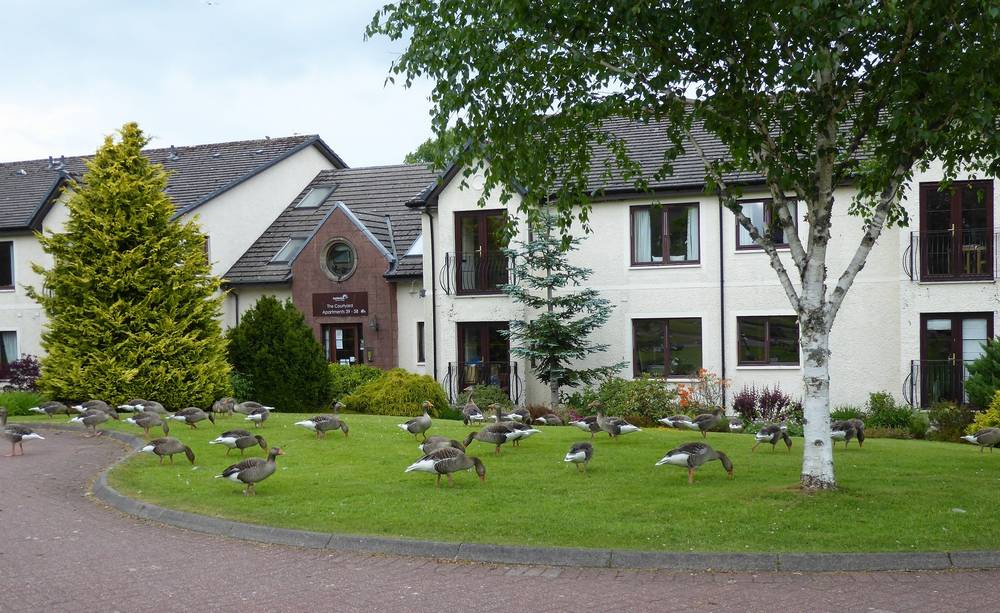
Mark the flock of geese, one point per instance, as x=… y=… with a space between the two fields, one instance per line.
x=441 y=456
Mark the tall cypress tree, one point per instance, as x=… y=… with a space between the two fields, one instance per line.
x=557 y=336
x=131 y=301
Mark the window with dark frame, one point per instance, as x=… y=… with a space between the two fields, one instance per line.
x=480 y=264
x=420 y=342
x=767 y=341
x=6 y=265
x=666 y=348
x=763 y=216
x=665 y=234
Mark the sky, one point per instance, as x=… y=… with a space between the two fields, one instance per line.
x=202 y=71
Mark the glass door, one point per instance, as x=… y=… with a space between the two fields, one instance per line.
x=484 y=355
x=949 y=343
x=480 y=265
x=956 y=230
x=344 y=343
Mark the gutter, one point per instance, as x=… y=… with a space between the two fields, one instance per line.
x=722 y=300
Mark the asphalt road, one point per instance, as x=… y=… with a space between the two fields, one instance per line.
x=62 y=551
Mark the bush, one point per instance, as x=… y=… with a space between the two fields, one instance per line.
x=883 y=412
x=485 y=395
x=397 y=392
x=344 y=378
x=920 y=424
x=578 y=401
x=767 y=404
x=846 y=411
x=273 y=346
x=18 y=402
x=950 y=420
x=990 y=418
x=704 y=394
x=774 y=404
x=642 y=400
x=241 y=386
x=984 y=377
x=23 y=373
x=745 y=403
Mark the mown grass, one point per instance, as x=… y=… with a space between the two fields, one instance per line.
x=894 y=495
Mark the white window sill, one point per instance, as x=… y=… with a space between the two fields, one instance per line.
x=760 y=250
x=8 y=290
x=474 y=296
x=957 y=282
x=769 y=367
x=663 y=266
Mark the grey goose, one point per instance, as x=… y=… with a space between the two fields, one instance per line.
x=418 y=425
x=51 y=408
x=549 y=419
x=229 y=438
x=614 y=426
x=247 y=406
x=192 y=415
x=169 y=447
x=693 y=455
x=446 y=461
x=772 y=433
x=587 y=424
x=224 y=406
x=471 y=411
x=580 y=454
x=705 y=421
x=846 y=429
x=252 y=471
x=987 y=437
x=15 y=434
x=92 y=419
x=439 y=442
x=258 y=416
x=147 y=420
x=96 y=405
x=321 y=424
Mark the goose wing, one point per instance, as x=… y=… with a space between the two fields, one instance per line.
x=239 y=467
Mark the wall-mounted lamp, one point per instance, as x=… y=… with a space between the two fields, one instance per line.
x=374 y=323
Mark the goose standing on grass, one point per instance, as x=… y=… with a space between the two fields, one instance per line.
x=168 y=446
x=419 y=425
x=258 y=416
x=705 y=421
x=51 y=408
x=846 y=429
x=493 y=434
x=614 y=426
x=147 y=420
x=549 y=419
x=92 y=419
x=192 y=415
x=772 y=434
x=520 y=430
x=446 y=461
x=439 y=442
x=132 y=404
x=587 y=424
x=520 y=415
x=96 y=405
x=736 y=425
x=16 y=434
x=252 y=471
x=580 y=454
x=151 y=406
x=224 y=406
x=987 y=437
x=675 y=421
x=471 y=412
x=693 y=455
x=321 y=424
x=245 y=442
x=229 y=438
x=248 y=406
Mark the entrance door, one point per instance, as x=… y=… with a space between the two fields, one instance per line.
x=483 y=355
x=344 y=343
x=956 y=231
x=481 y=266
x=949 y=343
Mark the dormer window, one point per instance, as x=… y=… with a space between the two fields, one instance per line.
x=315 y=197
x=290 y=249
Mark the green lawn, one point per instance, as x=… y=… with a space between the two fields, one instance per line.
x=894 y=495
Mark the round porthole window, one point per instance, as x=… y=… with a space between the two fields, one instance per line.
x=340 y=260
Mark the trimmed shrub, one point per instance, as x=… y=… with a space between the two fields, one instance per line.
x=846 y=411
x=984 y=377
x=397 y=392
x=920 y=424
x=641 y=401
x=883 y=412
x=990 y=418
x=23 y=373
x=18 y=402
x=950 y=420
x=275 y=347
x=345 y=378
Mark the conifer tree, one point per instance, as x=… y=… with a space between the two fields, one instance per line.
x=131 y=302
x=277 y=350
x=558 y=335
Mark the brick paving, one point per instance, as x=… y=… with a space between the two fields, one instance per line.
x=62 y=551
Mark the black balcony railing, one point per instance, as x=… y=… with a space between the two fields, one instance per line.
x=931 y=381
x=501 y=374
x=967 y=254
x=471 y=272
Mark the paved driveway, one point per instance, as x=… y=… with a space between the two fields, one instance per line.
x=62 y=551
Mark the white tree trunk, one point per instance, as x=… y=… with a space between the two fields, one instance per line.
x=817 y=453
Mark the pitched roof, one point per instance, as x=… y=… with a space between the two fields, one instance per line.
x=198 y=174
x=373 y=197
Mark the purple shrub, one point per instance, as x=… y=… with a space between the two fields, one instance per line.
x=745 y=403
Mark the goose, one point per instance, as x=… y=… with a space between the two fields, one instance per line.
x=258 y=416
x=229 y=438
x=224 y=405
x=549 y=419
x=151 y=406
x=987 y=437
x=51 y=408
x=245 y=442
x=147 y=420
x=248 y=406
x=133 y=404
x=614 y=426
x=321 y=424
x=16 y=434
x=439 y=442
x=693 y=455
x=192 y=415
x=252 y=471
x=846 y=429
x=705 y=421
x=168 y=446
x=419 y=425
x=92 y=419
x=736 y=426
x=772 y=433
x=520 y=415
x=96 y=405
x=587 y=424
x=675 y=421
x=471 y=411
x=494 y=434
x=580 y=454
x=520 y=430
x=446 y=461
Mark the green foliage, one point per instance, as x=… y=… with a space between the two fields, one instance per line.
x=18 y=402
x=438 y=150
x=846 y=411
x=344 y=378
x=558 y=334
x=578 y=400
x=397 y=392
x=275 y=347
x=920 y=424
x=131 y=303
x=990 y=418
x=241 y=386
x=485 y=395
x=642 y=400
x=984 y=376
x=882 y=411
x=950 y=420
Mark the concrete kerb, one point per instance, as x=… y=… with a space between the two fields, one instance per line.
x=545 y=556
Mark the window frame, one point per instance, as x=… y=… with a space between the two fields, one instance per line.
x=319 y=203
x=421 y=353
x=13 y=271
x=740 y=319
x=325 y=254
x=482 y=274
x=768 y=220
x=925 y=190
x=665 y=238
x=291 y=256
x=668 y=376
